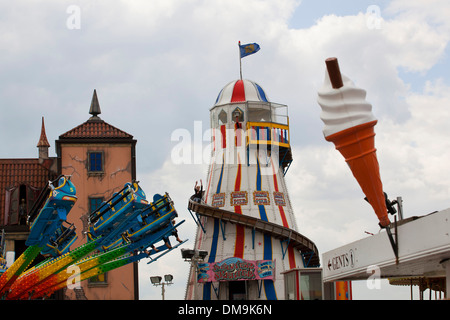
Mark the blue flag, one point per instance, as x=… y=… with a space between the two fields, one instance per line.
x=248 y=49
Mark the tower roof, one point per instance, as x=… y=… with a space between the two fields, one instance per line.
x=43 y=142
x=240 y=91
x=95 y=128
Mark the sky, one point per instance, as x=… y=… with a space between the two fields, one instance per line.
x=158 y=66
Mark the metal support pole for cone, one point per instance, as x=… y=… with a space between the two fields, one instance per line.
x=394 y=242
x=400 y=208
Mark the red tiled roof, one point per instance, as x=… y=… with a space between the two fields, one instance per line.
x=14 y=172
x=95 y=129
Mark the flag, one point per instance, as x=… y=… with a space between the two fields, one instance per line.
x=248 y=49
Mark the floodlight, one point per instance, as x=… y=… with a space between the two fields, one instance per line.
x=155 y=280
x=168 y=278
x=202 y=254
x=187 y=253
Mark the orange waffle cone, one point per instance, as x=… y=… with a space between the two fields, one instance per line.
x=357 y=145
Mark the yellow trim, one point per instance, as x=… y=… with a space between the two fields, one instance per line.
x=59 y=187
x=145 y=225
x=270 y=125
x=153 y=221
x=264 y=142
x=70 y=198
x=50 y=246
x=68 y=244
x=131 y=199
x=107 y=247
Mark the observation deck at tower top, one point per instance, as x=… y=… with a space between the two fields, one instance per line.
x=243 y=104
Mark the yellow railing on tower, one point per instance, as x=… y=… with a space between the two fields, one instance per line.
x=268 y=133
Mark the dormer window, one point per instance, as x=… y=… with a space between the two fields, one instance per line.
x=19 y=200
x=222 y=117
x=238 y=115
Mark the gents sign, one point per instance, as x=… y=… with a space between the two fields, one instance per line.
x=342 y=261
x=232 y=269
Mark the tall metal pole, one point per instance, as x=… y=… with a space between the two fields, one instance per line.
x=240 y=59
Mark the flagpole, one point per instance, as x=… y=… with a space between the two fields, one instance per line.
x=240 y=59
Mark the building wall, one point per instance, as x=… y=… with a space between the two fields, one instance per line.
x=118 y=167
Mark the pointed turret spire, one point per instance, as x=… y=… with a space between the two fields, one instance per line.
x=43 y=144
x=95 y=107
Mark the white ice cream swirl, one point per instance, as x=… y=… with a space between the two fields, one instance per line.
x=343 y=108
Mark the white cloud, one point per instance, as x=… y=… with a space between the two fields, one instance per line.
x=434 y=12
x=419 y=147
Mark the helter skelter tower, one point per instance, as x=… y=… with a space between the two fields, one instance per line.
x=246 y=226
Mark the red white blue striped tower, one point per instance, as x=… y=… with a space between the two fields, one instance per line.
x=246 y=222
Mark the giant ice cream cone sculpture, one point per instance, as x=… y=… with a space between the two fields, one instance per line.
x=349 y=124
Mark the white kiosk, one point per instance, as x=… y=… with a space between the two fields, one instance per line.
x=423 y=252
x=415 y=248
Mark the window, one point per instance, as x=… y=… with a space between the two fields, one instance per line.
x=96 y=161
x=19 y=200
x=98 y=280
x=94 y=203
x=311 y=285
x=290 y=280
x=222 y=118
x=303 y=284
x=238 y=114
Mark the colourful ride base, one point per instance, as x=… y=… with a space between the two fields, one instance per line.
x=35 y=276
x=14 y=271
x=121 y=229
